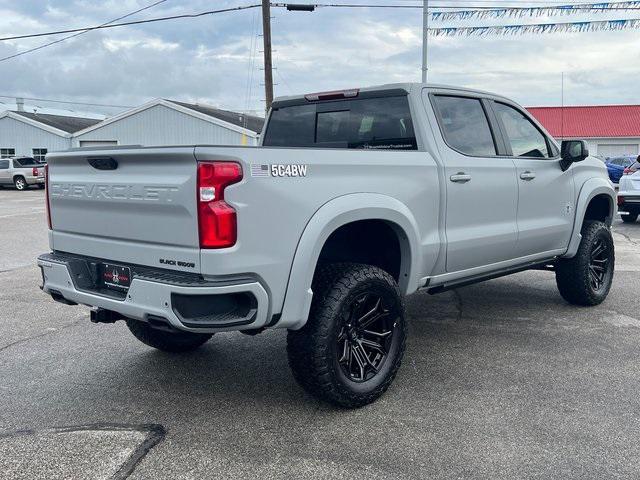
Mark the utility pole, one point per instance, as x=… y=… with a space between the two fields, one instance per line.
x=425 y=39
x=268 y=66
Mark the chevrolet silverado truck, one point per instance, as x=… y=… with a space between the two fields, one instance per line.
x=353 y=200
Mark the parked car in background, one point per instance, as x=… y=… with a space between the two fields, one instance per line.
x=21 y=172
x=616 y=166
x=629 y=193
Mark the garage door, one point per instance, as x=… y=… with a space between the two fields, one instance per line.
x=612 y=150
x=98 y=143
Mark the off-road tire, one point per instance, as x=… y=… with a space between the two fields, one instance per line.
x=20 y=183
x=573 y=274
x=313 y=351
x=175 y=342
x=630 y=217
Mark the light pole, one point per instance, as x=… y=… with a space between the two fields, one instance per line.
x=425 y=39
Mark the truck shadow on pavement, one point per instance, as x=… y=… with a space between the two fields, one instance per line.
x=514 y=313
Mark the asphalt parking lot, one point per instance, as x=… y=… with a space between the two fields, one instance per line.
x=501 y=380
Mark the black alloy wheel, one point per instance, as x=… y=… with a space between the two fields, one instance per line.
x=599 y=264
x=365 y=338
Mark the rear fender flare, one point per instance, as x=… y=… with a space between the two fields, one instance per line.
x=590 y=189
x=331 y=216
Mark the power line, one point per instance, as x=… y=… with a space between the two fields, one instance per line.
x=246 y=7
x=65 y=102
x=137 y=22
x=80 y=33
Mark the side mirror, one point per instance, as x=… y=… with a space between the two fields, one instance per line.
x=572 y=151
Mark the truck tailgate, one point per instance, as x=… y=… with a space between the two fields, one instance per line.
x=129 y=205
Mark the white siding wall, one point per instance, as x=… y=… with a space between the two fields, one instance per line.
x=612 y=146
x=160 y=125
x=24 y=138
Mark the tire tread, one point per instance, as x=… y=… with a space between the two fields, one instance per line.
x=572 y=274
x=177 y=342
x=308 y=347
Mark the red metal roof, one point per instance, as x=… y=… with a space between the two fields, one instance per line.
x=590 y=122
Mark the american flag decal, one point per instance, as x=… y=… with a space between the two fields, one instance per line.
x=259 y=170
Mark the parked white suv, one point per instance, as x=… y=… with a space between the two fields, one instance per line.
x=629 y=193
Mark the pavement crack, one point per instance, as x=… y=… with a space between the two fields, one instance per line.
x=40 y=335
x=628 y=238
x=155 y=434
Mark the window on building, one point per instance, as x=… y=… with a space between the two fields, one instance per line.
x=465 y=126
x=7 y=152
x=523 y=136
x=39 y=154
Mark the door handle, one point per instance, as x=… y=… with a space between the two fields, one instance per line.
x=527 y=175
x=460 y=177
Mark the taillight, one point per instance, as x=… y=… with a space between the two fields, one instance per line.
x=217 y=221
x=335 y=95
x=48 y=206
x=626 y=171
x=34 y=171
x=620 y=200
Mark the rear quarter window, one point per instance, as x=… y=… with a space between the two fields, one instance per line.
x=25 y=162
x=371 y=123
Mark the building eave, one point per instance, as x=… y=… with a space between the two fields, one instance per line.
x=36 y=124
x=173 y=106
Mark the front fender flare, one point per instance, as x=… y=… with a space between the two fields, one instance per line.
x=331 y=216
x=590 y=189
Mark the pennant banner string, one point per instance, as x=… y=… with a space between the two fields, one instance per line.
x=516 y=12
x=536 y=28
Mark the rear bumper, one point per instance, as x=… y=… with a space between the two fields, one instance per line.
x=629 y=201
x=160 y=296
x=34 y=180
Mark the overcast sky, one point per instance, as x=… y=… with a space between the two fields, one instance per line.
x=209 y=59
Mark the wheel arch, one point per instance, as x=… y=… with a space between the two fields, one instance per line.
x=327 y=220
x=596 y=201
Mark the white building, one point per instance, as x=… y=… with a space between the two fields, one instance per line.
x=34 y=134
x=168 y=122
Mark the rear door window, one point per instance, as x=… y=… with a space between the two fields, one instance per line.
x=369 y=123
x=464 y=125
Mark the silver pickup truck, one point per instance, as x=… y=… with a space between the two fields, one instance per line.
x=21 y=172
x=353 y=200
